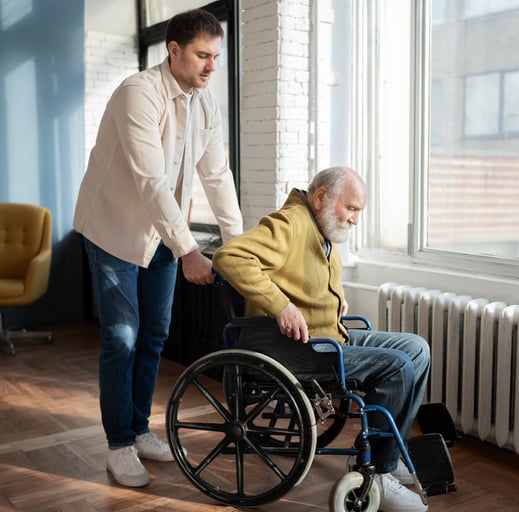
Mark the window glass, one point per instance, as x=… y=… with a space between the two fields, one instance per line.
x=156 y=11
x=481 y=105
x=393 y=181
x=483 y=7
x=511 y=104
x=473 y=175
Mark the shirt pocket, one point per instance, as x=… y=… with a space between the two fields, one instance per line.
x=201 y=139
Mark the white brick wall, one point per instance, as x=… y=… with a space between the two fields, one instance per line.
x=275 y=120
x=109 y=59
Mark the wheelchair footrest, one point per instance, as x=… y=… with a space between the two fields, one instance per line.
x=433 y=463
x=435 y=419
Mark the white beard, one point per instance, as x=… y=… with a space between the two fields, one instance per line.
x=333 y=230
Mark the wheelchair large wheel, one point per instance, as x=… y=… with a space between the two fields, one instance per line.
x=345 y=494
x=219 y=434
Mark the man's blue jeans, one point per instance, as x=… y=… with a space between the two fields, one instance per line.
x=135 y=313
x=393 y=368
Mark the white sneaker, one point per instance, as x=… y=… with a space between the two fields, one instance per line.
x=394 y=497
x=127 y=469
x=401 y=473
x=149 y=446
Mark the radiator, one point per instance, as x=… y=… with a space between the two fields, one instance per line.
x=474 y=357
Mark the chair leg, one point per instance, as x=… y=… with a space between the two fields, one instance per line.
x=4 y=340
x=6 y=337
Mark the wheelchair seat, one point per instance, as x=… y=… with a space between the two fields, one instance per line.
x=262 y=335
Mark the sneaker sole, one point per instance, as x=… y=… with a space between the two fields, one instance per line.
x=166 y=457
x=131 y=481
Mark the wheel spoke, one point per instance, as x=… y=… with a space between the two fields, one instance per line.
x=212 y=400
x=209 y=427
x=266 y=459
x=275 y=431
x=240 y=480
x=217 y=450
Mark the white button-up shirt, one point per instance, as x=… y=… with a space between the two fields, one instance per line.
x=150 y=136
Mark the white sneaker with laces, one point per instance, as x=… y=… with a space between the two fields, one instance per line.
x=394 y=497
x=149 y=446
x=127 y=469
x=401 y=473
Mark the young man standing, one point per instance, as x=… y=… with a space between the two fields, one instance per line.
x=160 y=126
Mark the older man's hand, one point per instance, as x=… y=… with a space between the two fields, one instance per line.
x=292 y=323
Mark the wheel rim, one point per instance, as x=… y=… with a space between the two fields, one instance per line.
x=345 y=495
x=233 y=454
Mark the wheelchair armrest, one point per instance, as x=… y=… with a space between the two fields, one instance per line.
x=366 y=324
x=340 y=359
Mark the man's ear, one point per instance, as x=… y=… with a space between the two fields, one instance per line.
x=173 y=49
x=318 y=196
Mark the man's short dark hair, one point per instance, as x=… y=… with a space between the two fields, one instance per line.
x=186 y=26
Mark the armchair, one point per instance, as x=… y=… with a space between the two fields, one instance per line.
x=25 y=256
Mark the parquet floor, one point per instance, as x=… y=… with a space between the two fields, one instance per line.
x=52 y=447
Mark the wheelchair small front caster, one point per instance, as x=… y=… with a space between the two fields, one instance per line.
x=346 y=495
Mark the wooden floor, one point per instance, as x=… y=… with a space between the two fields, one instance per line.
x=53 y=450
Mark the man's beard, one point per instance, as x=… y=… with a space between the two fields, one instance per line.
x=333 y=230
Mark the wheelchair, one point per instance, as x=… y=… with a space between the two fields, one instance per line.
x=244 y=427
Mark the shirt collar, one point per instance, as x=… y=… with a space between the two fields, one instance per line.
x=327 y=245
x=174 y=90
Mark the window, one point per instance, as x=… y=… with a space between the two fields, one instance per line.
x=472 y=183
x=482 y=105
x=154 y=15
x=434 y=123
x=492 y=105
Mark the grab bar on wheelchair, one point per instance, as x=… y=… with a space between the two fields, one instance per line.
x=361 y=318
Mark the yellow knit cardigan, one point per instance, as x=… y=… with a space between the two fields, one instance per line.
x=282 y=260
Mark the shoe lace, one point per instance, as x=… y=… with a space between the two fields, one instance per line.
x=153 y=439
x=391 y=483
x=128 y=458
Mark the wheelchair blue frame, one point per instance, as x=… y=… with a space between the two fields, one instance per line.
x=363 y=455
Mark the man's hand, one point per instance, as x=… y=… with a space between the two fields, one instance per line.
x=292 y=323
x=197 y=268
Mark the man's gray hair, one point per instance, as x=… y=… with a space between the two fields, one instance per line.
x=332 y=178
